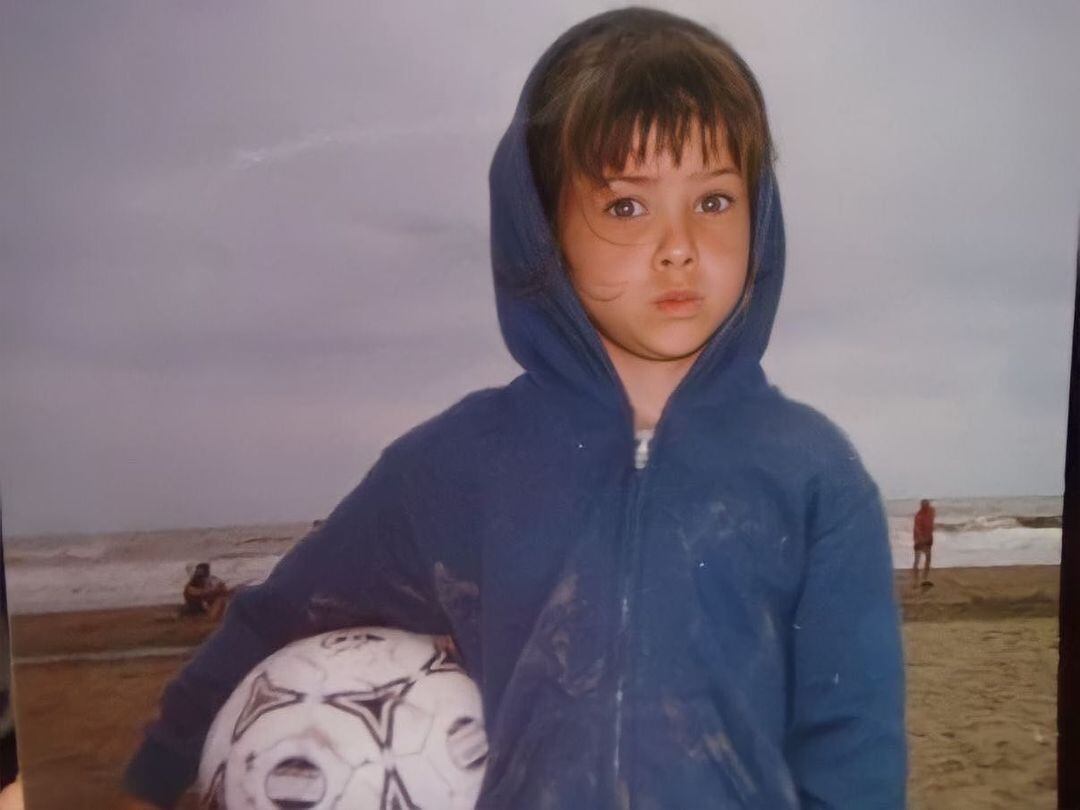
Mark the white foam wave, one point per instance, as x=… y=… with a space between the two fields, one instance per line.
x=82 y=572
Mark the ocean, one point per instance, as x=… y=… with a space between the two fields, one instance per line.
x=54 y=573
x=982 y=531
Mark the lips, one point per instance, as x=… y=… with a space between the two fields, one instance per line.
x=678 y=296
x=680 y=303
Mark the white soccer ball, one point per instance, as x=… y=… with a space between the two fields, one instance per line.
x=360 y=719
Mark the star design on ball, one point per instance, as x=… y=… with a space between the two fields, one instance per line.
x=374 y=706
x=264 y=697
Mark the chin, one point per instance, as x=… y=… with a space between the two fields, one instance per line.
x=675 y=348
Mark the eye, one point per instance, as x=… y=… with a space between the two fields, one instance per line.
x=625 y=208
x=715 y=203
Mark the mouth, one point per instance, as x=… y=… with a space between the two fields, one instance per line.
x=679 y=302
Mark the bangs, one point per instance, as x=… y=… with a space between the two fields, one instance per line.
x=660 y=82
x=664 y=100
x=596 y=151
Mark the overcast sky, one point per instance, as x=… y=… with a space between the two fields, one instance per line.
x=243 y=246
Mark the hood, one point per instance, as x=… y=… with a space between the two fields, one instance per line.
x=544 y=324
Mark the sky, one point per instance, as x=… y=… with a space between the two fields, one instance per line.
x=244 y=246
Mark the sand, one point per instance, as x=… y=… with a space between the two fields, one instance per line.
x=981 y=713
x=79 y=720
x=981 y=649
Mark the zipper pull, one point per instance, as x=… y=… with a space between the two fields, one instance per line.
x=641 y=453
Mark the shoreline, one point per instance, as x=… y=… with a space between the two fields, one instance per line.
x=982 y=593
x=986 y=593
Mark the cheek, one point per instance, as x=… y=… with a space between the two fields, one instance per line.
x=728 y=255
x=598 y=268
x=599 y=271
x=599 y=288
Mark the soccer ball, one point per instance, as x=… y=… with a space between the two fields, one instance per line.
x=359 y=719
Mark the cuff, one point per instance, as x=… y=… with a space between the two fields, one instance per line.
x=158 y=774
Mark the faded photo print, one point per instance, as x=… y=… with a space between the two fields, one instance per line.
x=563 y=405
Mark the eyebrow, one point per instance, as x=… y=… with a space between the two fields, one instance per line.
x=645 y=180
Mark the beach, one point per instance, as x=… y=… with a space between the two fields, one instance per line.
x=980 y=646
x=85 y=685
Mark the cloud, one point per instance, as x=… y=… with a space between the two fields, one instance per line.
x=244 y=248
x=361 y=135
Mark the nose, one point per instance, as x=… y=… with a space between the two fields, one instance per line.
x=676 y=249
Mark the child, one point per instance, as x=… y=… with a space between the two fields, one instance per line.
x=672 y=584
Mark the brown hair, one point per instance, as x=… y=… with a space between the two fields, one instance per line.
x=637 y=69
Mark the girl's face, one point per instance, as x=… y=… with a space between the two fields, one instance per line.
x=659 y=257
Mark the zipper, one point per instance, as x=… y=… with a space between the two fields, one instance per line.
x=641 y=452
x=627 y=578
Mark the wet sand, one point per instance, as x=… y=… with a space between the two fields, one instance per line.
x=80 y=719
x=981 y=649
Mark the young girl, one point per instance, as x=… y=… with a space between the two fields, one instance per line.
x=672 y=584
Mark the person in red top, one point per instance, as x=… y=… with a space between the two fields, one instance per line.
x=923 y=535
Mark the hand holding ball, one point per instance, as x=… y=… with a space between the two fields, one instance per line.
x=357 y=719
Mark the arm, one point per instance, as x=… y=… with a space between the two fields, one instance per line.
x=11 y=797
x=360 y=567
x=846 y=743
x=195 y=591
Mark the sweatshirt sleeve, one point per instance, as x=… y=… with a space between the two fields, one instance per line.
x=846 y=743
x=360 y=567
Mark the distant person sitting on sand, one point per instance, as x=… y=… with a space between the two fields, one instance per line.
x=205 y=594
x=923 y=535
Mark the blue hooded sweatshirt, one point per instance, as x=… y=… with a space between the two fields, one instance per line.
x=703 y=620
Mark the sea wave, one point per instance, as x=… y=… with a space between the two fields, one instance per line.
x=985 y=523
